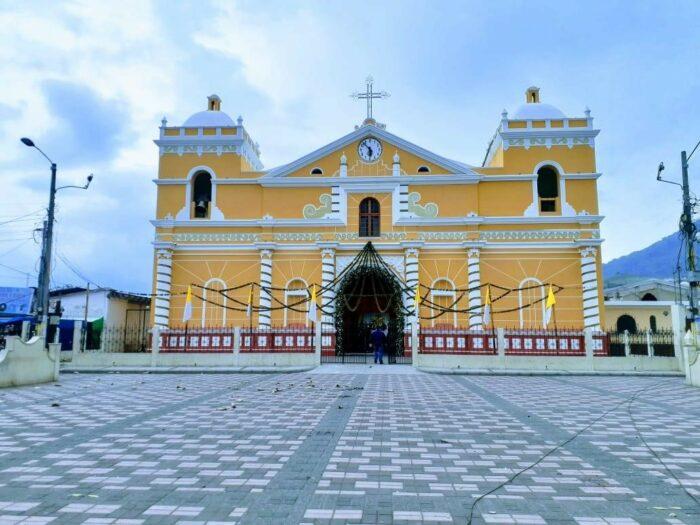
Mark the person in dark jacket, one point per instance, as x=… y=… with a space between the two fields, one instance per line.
x=378 y=338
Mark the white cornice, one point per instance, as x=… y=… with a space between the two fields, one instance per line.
x=397 y=246
x=414 y=180
x=331 y=223
x=580 y=176
x=247 y=223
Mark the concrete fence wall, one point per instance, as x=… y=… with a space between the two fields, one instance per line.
x=28 y=363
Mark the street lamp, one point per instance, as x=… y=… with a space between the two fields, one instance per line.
x=45 y=270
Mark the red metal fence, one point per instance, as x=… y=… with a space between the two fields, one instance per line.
x=456 y=341
x=209 y=340
x=278 y=340
x=460 y=341
x=221 y=340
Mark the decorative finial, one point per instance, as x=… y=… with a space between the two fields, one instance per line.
x=213 y=103
x=239 y=120
x=163 y=122
x=343 y=159
x=588 y=112
x=504 y=115
x=396 y=157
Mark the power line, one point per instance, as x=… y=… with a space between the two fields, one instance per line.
x=16 y=219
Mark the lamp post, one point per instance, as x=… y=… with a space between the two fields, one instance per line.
x=47 y=241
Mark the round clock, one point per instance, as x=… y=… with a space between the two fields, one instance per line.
x=370 y=149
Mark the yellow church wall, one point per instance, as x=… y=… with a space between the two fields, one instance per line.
x=286 y=203
x=173 y=166
x=496 y=159
x=504 y=199
x=512 y=269
x=171 y=199
x=199 y=268
x=582 y=195
x=447 y=265
x=289 y=266
x=240 y=201
x=579 y=159
x=455 y=202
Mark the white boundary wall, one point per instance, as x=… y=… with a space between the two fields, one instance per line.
x=626 y=364
x=28 y=363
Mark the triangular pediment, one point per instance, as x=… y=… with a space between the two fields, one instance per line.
x=413 y=159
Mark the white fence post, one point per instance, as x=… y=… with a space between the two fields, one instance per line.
x=155 y=344
x=236 y=345
x=501 y=341
x=318 y=341
x=626 y=341
x=25 y=331
x=650 y=347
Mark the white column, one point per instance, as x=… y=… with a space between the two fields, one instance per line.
x=164 y=271
x=411 y=275
x=473 y=283
x=265 y=282
x=328 y=296
x=589 y=288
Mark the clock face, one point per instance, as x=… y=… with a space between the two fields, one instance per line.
x=370 y=149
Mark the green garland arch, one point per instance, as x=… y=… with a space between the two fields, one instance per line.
x=365 y=272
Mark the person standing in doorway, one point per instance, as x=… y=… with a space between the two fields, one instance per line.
x=378 y=338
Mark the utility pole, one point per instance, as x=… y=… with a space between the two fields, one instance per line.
x=46 y=247
x=85 y=323
x=689 y=230
x=687 y=227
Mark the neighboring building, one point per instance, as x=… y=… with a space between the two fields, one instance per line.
x=15 y=308
x=116 y=321
x=645 y=304
x=112 y=308
x=527 y=216
x=647 y=290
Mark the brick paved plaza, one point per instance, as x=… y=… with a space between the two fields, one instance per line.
x=348 y=444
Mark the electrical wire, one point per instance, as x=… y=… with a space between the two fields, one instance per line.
x=561 y=445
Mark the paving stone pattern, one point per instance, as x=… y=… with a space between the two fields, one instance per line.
x=354 y=445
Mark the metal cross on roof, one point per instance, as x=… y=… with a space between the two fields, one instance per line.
x=369 y=95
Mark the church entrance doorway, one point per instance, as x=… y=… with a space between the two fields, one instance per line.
x=369 y=296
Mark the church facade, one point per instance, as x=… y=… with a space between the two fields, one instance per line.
x=524 y=218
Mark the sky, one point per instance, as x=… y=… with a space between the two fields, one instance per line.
x=89 y=82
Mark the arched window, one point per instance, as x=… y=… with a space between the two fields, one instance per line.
x=548 y=188
x=649 y=297
x=531 y=302
x=424 y=169
x=626 y=322
x=317 y=171
x=443 y=295
x=296 y=290
x=369 y=217
x=213 y=304
x=652 y=323
x=201 y=195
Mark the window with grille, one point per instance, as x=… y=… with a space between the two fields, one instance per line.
x=369 y=217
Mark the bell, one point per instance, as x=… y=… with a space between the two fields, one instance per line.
x=200 y=208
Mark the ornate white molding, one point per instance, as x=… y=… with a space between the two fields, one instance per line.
x=588 y=251
x=428 y=210
x=316 y=212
